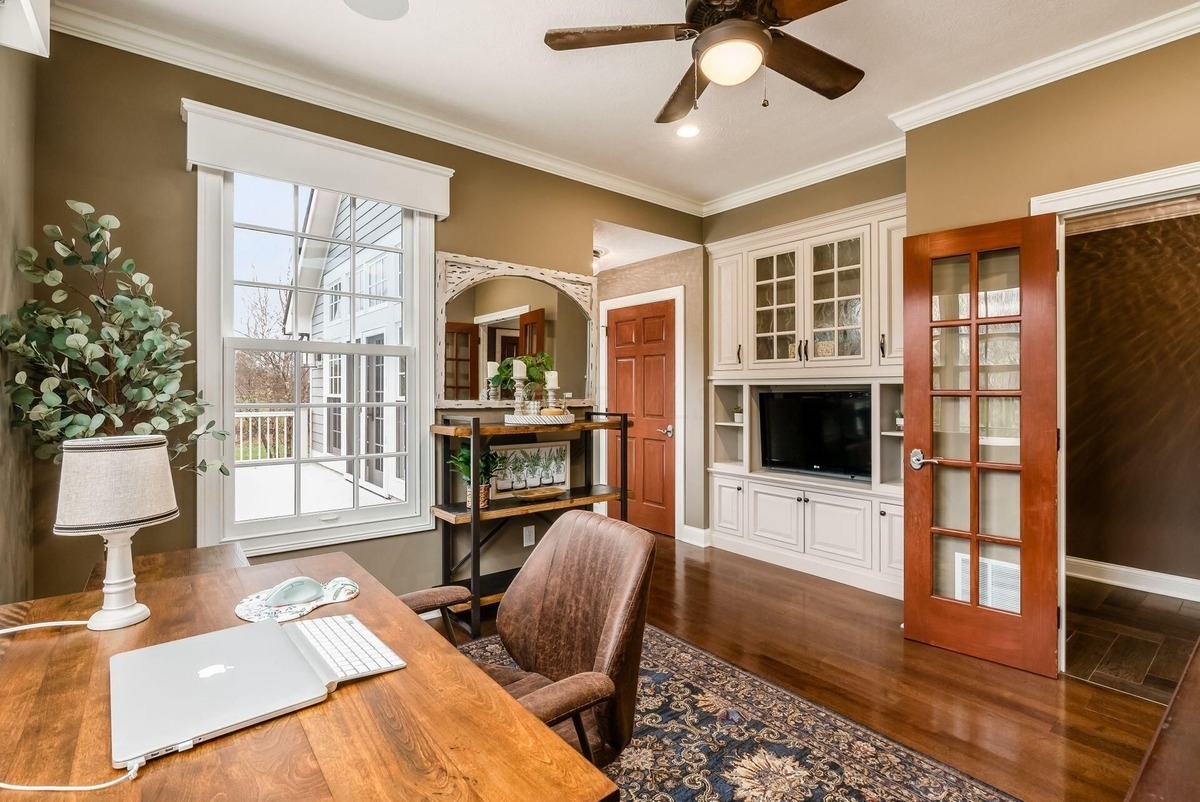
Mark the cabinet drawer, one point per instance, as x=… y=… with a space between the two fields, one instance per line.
x=836 y=528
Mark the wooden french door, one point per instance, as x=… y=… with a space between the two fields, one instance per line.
x=980 y=489
x=462 y=361
x=532 y=325
x=641 y=382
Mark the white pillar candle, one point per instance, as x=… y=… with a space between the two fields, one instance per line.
x=492 y=369
x=518 y=369
x=552 y=379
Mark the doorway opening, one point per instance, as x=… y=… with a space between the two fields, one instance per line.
x=1131 y=358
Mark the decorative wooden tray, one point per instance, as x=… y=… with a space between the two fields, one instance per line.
x=538 y=420
x=538 y=493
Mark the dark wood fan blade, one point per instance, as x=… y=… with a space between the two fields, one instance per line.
x=779 y=12
x=683 y=98
x=806 y=65
x=575 y=38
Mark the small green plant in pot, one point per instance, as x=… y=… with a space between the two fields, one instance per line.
x=491 y=464
x=103 y=357
x=536 y=366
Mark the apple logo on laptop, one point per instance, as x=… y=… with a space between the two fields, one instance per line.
x=213 y=670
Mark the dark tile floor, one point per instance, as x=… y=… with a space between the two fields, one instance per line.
x=1129 y=640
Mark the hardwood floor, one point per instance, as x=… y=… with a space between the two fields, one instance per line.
x=1129 y=640
x=1035 y=738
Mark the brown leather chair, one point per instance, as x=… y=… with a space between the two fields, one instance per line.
x=440 y=598
x=573 y=621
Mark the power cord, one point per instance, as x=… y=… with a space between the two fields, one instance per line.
x=131 y=768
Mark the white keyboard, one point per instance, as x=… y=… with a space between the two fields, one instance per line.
x=350 y=649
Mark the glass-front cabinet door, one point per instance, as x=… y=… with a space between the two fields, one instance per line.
x=777 y=317
x=837 y=269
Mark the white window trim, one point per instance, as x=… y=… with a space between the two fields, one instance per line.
x=214 y=271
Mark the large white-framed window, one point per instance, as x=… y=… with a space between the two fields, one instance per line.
x=315 y=346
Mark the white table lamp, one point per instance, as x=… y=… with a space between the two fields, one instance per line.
x=112 y=487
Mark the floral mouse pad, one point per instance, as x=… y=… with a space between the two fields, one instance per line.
x=255 y=608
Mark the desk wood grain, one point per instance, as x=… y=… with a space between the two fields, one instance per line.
x=438 y=729
x=171 y=564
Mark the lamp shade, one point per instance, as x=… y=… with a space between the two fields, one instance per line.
x=111 y=483
x=730 y=52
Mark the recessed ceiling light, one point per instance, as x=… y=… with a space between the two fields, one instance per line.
x=688 y=131
x=380 y=9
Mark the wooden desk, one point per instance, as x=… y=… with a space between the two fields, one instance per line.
x=172 y=564
x=436 y=729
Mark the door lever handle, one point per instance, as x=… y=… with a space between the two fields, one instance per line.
x=669 y=431
x=916 y=460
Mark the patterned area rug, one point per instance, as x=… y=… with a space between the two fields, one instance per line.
x=707 y=730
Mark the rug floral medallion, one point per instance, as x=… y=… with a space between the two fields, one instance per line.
x=707 y=730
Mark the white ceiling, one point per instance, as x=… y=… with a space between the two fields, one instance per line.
x=481 y=65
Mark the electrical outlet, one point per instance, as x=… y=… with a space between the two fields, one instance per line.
x=529 y=536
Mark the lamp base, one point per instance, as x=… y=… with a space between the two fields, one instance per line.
x=116 y=619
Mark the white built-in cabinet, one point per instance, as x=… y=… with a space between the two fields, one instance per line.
x=816 y=303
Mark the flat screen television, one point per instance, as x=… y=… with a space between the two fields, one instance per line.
x=817 y=431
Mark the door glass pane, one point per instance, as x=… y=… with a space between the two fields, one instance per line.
x=785 y=265
x=823 y=287
x=823 y=344
x=785 y=318
x=823 y=315
x=951 y=358
x=1000 y=283
x=952 y=498
x=823 y=257
x=1000 y=503
x=786 y=292
x=765 y=348
x=850 y=312
x=952 y=428
x=764 y=269
x=765 y=295
x=849 y=282
x=1000 y=430
x=951 y=288
x=849 y=252
x=785 y=346
x=1000 y=356
x=764 y=321
x=849 y=342
x=952 y=567
x=1000 y=576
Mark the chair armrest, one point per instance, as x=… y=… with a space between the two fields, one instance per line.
x=563 y=699
x=422 y=601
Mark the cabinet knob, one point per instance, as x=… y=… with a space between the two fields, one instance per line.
x=882 y=513
x=798 y=498
x=739 y=488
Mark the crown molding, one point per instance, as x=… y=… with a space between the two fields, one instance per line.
x=1136 y=39
x=96 y=27
x=806 y=178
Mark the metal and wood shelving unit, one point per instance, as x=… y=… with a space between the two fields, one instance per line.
x=486 y=589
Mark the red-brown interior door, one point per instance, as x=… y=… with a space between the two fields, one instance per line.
x=641 y=382
x=981 y=549
x=533 y=332
x=462 y=361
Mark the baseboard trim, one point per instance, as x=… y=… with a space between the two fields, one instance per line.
x=861 y=578
x=695 y=536
x=1178 y=587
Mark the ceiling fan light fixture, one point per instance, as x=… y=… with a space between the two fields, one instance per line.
x=379 y=9
x=730 y=52
x=688 y=131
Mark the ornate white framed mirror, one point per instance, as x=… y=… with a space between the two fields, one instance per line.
x=487 y=310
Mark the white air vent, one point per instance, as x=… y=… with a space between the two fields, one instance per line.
x=999 y=582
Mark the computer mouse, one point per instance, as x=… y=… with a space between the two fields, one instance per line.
x=297 y=590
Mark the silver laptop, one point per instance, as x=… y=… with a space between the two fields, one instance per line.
x=172 y=696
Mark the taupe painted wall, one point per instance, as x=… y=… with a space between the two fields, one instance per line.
x=684 y=268
x=16 y=229
x=1133 y=377
x=126 y=156
x=873 y=183
x=1132 y=116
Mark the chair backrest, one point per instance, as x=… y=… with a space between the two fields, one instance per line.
x=579 y=604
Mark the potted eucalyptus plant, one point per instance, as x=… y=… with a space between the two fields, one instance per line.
x=536 y=366
x=491 y=463
x=103 y=356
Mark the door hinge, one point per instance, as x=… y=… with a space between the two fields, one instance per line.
x=1058 y=617
x=1058 y=439
x=1057 y=260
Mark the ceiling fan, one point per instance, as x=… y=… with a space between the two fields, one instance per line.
x=730 y=39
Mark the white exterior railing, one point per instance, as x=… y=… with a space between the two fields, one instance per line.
x=267 y=435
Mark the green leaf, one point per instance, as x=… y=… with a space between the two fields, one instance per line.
x=220 y=435
x=74 y=430
x=63 y=249
x=53 y=278
x=49 y=383
x=127 y=267
x=22 y=376
x=59 y=296
x=51 y=399
x=114 y=253
x=160 y=423
x=53 y=232
x=80 y=208
x=98 y=369
x=140 y=279
x=46 y=451
x=143 y=428
x=96 y=422
x=108 y=221
x=76 y=341
x=27 y=254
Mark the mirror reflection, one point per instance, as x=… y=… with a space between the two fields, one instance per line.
x=513 y=316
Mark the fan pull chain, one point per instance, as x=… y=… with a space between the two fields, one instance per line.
x=765 y=102
x=695 y=83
